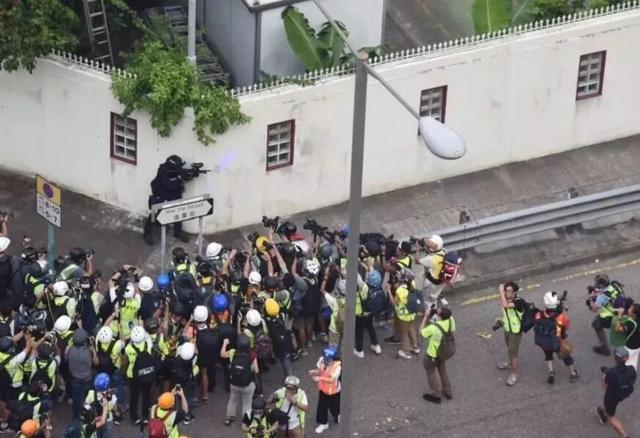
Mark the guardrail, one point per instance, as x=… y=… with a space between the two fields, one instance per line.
x=542 y=218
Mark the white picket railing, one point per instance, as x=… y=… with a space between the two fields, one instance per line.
x=315 y=77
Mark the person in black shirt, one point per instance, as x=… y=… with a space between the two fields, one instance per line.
x=619 y=381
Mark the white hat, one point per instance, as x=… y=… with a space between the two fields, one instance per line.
x=4 y=243
x=145 y=284
x=186 y=351
x=255 y=278
x=213 y=249
x=551 y=300
x=253 y=318
x=200 y=314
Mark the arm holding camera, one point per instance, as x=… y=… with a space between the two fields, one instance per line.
x=4 y=220
x=184 y=406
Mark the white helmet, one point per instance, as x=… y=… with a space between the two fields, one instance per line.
x=145 y=284
x=62 y=324
x=437 y=242
x=60 y=288
x=130 y=291
x=186 y=351
x=105 y=335
x=213 y=250
x=200 y=314
x=4 y=243
x=138 y=334
x=312 y=267
x=551 y=300
x=255 y=278
x=253 y=318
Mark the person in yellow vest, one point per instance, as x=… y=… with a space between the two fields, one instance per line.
x=108 y=359
x=327 y=377
x=292 y=400
x=139 y=342
x=433 y=263
x=400 y=301
x=31 y=429
x=434 y=365
x=127 y=304
x=511 y=321
x=257 y=422
x=166 y=411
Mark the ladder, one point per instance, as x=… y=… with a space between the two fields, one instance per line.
x=98 y=30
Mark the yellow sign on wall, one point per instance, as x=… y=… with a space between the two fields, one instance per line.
x=50 y=191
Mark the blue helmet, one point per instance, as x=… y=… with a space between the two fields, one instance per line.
x=163 y=281
x=330 y=353
x=374 y=279
x=220 y=303
x=101 y=382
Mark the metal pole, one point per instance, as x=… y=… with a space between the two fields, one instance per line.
x=355 y=208
x=200 y=234
x=191 y=39
x=163 y=246
x=393 y=92
x=51 y=245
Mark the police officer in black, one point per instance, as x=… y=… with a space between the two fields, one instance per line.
x=168 y=185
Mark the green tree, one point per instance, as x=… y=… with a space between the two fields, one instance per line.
x=30 y=29
x=165 y=84
x=548 y=9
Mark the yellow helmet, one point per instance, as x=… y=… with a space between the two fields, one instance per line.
x=261 y=243
x=166 y=401
x=272 y=307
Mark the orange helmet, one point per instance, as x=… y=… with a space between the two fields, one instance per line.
x=166 y=401
x=29 y=428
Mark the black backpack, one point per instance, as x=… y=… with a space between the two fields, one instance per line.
x=41 y=373
x=21 y=410
x=415 y=303
x=241 y=373
x=105 y=363
x=447 y=347
x=88 y=314
x=145 y=369
x=528 y=317
x=281 y=337
x=365 y=303
x=546 y=336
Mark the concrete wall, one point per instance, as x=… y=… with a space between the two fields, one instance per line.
x=363 y=18
x=232 y=29
x=512 y=99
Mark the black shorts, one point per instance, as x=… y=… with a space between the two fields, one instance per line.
x=610 y=406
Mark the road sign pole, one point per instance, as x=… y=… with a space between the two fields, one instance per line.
x=200 y=235
x=163 y=246
x=51 y=244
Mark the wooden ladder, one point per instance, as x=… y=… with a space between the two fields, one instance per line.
x=98 y=30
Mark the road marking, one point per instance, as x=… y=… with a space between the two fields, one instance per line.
x=534 y=286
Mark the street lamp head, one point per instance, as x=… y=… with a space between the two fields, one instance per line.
x=442 y=141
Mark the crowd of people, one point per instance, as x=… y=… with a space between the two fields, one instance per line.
x=152 y=348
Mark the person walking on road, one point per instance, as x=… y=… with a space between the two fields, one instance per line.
x=619 y=381
x=327 y=376
x=435 y=358
x=511 y=321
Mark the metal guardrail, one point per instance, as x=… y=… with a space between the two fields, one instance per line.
x=541 y=218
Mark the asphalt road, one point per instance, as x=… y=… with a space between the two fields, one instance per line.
x=388 y=400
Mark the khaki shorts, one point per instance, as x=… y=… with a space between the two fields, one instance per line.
x=513 y=343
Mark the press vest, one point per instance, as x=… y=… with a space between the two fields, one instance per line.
x=402 y=297
x=329 y=388
x=511 y=320
x=280 y=395
x=172 y=429
x=259 y=423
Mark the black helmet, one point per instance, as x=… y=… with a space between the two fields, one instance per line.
x=45 y=350
x=601 y=281
x=289 y=228
x=174 y=162
x=204 y=269
x=243 y=343
x=271 y=283
x=405 y=247
x=177 y=308
x=236 y=277
x=258 y=404
x=373 y=248
x=288 y=250
x=151 y=325
x=77 y=255
x=29 y=254
x=325 y=251
x=6 y=344
x=86 y=283
x=179 y=255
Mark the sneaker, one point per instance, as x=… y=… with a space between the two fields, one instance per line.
x=376 y=349
x=602 y=416
x=324 y=338
x=309 y=345
x=503 y=366
x=304 y=352
x=552 y=378
x=511 y=380
x=4 y=427
x=145 y=421
x=392 y=340
x=359 y=354
x=444 y=302
x=575 y=376
x=432 y=398
x=137 y=421
x=404 y=355
x=321 y=428
x=416 y=351
x=228 y=421
x=187 y=419
x=337 y=419
x=601 y=350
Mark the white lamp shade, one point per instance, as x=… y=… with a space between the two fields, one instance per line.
x=442 y=141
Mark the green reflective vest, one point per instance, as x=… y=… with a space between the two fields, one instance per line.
x=511 y=320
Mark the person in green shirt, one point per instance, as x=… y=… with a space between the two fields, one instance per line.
x=512 y=311
x=435 y=366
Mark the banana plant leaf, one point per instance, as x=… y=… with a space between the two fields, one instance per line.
x=331 y=41
x=303 y=40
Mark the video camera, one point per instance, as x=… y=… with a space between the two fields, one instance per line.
x=194 y=171
x=6 y=213
x=421 y=242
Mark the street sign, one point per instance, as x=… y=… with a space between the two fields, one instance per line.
x=49 y=201
x=183 y=209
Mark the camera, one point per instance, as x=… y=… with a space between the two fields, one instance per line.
x=497 y=326
x=6 y=213
x=421 y=242
x=252 y=237
x=273 y=223
x=315 y=228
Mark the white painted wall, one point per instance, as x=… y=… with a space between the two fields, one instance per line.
x=511 y=99
x=363 y=18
